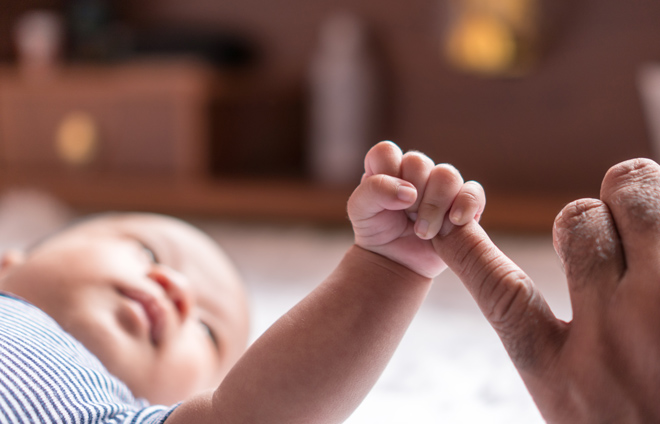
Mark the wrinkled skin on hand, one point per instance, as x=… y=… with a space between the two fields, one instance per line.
x=603 y=366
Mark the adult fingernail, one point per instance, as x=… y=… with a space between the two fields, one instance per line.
x=406 y=194
x=422 y=228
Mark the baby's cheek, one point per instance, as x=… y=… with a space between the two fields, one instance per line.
x=196 y=361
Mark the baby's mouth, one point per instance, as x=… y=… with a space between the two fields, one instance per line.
x=153 y=310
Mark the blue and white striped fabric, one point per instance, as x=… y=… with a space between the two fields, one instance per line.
x=46 y=376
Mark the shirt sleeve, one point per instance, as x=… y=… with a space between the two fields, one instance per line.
x=47 y=376
x=156 y=414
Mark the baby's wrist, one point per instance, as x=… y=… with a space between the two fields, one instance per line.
x=380 y=264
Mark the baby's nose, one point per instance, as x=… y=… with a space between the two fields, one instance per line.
x=177 y=288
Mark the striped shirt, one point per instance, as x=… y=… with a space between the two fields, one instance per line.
x=47 y=376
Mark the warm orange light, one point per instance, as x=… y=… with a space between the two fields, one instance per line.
x=492 y=37
x=76 y=140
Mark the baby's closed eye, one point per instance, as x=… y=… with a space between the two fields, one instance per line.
x=210 y=333
x=149 y=252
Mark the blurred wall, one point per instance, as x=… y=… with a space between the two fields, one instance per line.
x=557 y=129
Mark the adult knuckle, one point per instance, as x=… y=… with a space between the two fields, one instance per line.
x=510 y=296
x=465 y=256
x=576 y=212
x=632 y=170
x=513 y=320
x=634 y=186
x=586 y=236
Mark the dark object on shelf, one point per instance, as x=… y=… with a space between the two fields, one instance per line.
x=141 y=118
x=225 y=50
x=259 y=133
x=95 y=32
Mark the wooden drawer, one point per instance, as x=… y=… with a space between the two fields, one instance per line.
x=137 y=118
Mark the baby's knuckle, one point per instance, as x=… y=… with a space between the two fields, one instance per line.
x=476 y=185
x=470 y=198
x=376 y=184
x=445 y=173
x=415 y=165
x=432 y=208
x=414 y=155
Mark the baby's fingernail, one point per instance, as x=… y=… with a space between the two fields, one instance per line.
x=456 y=217
x=406 y=194
x=412 y=216
x=422 y=228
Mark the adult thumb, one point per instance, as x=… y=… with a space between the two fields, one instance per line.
x=507 y=297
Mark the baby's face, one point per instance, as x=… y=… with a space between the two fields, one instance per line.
x=154 y=299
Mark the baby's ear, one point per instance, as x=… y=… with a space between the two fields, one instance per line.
x=11 y=258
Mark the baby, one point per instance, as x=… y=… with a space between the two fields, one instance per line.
x=141 y=318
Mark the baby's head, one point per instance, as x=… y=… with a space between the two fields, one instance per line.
x=153 y=298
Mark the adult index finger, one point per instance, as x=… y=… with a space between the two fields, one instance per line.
x=507 y=297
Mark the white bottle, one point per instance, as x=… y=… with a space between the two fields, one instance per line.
x=342 y=102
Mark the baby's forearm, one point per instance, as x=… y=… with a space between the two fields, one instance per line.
x=320 y=360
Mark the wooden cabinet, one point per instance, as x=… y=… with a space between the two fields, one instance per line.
x=136 y=118
x=136 y=137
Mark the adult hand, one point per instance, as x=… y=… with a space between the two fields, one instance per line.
x=603 y=366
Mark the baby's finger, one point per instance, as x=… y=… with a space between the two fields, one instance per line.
x=469 y=204
x=379 y=193
x=384 y=158
x=416 y=168
x=443 y=185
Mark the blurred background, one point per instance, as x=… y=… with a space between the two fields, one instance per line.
x=263 y=109
x=251 y=119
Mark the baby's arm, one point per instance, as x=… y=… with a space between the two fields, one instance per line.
x=317 y=362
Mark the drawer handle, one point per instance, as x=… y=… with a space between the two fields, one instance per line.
x=76 y=140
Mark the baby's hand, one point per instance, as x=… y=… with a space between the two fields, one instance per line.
x=404 y=201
